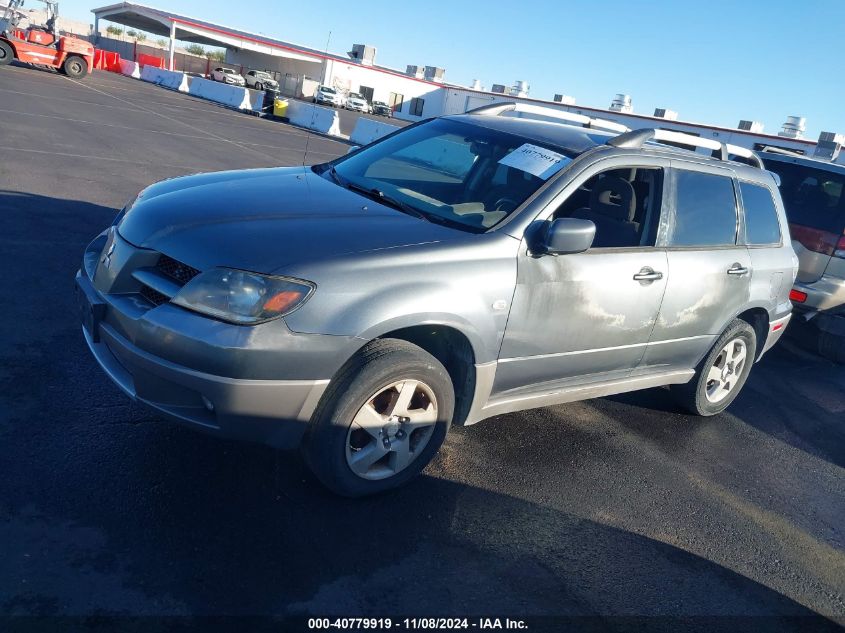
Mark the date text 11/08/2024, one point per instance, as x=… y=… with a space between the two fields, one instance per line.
x=435 y=624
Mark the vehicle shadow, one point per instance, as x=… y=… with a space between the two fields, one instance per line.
x=106 y=509
x=794 y=397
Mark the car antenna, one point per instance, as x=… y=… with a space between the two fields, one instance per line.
x=313 y=109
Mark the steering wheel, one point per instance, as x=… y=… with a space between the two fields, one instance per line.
x=505 y=204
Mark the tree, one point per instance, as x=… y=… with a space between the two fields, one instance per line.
x=131 y=33
x=141 y=36
x=216 y=56
x=195 y=49
x=162 y=43
x=114 y=30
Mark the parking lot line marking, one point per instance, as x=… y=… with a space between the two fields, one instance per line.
x=55 y=98
x=103 y=158
x=166 y=132
x=188 y=125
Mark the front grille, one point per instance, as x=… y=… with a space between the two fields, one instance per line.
x=176 y=270
x=153 y=296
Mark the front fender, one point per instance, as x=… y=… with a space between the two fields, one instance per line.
x=469 y=288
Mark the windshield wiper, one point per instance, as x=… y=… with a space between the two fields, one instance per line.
x=379 y=196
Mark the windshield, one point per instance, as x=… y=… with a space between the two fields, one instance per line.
x=812 y=197
x=328 y=90
x=355 y=95
x=464 y=175
x=228 y=71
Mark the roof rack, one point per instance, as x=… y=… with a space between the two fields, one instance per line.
x=497 y=109
x=637 y=138
x=779 y=150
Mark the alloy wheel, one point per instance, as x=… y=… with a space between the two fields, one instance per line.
x=391 y=430
x=726 y=370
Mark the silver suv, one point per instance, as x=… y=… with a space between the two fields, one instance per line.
x=813 y=193
x=460 y=268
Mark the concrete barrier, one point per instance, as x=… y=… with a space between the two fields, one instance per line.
x=232 y=96
x=165 y=78
x=130 y=69
x=367 y=130
x=312 y=117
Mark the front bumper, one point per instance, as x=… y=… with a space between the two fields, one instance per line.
x=273 y=412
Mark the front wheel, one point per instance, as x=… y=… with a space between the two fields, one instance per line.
x=381 y=421
x=75 y=67
x=722 y=374
x=6 y=54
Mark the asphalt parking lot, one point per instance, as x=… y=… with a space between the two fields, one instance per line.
x=615 y=507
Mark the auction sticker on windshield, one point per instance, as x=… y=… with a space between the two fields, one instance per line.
x=537 y=161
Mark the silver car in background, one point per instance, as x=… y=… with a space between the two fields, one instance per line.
x=813 y=193
x=458 y=269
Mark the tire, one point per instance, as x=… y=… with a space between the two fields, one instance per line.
x=719 y=377
x=6 y=54
x=75 y=67
x=259 y=86
x=832 y=346
x=356 y=424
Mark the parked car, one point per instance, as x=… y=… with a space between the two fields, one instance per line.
x=228 y=76
x=260 y=80
x=326 y=95
x=813 y=193
x=461 y=268
x=356 y=102
x=382 y=109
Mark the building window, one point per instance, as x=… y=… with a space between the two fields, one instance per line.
x=417 y=106
x=396 y=101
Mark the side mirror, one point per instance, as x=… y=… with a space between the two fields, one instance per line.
x=566 y=236
x=353 y=148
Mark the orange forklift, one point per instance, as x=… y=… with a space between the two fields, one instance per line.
x=43 y=45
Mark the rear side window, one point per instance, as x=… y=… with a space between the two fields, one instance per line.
x=705 y=210
x=812 y=197
x=761 y=216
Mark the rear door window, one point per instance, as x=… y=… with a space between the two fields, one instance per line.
x=761 y=216
x=705 y=210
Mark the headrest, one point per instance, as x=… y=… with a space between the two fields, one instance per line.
x=614 y=197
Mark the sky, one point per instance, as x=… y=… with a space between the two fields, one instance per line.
x=712 y=61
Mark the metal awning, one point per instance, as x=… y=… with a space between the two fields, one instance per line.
x=187 y=29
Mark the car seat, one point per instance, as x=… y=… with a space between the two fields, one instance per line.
x=613 y=204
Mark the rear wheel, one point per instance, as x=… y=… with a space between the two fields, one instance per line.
x=381 y=421
x=6 y=54
x=75 y=67
x=832 y=346
x=722 y=374
x=259 y=86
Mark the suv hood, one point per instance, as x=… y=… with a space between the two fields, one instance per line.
x=266 y=219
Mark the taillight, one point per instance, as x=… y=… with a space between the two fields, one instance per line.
x=797 y=296
x=816 y=240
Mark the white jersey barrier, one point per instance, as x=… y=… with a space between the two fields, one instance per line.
x=232 y=96
x=166 y=78
x=367 y=130
x=312 y=117
x=130 y=69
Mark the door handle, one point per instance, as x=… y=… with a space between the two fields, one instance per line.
x=648 y=274
x=737 y=269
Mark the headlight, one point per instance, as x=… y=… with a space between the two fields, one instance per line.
x=241 y=297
